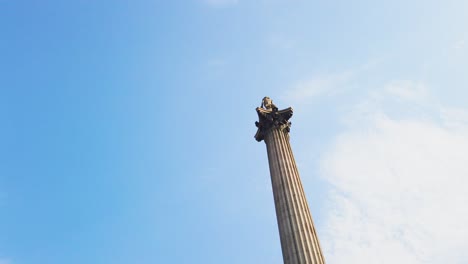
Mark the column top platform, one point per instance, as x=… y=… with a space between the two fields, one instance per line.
x=270 y=117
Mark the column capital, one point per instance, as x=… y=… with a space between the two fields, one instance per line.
x=270 y=117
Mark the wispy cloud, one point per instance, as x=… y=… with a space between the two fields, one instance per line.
x=5 y=261
x=325 y=84
x=398 y=185
x=317 y=86
x=407 y=90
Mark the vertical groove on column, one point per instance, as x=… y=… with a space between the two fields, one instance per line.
x=296 y=214
x=315 y=245
x=318 y=256
x=308 y=242
x=303 y=205
x=290 y=217
x=278 y=198
x=297 y=232
x=282 y=203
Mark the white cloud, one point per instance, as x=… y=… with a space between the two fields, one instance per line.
x=4 y=261
x=326 y=84
x=398 y=185
x=454 y=117
x=316 y=86
x=407 y=90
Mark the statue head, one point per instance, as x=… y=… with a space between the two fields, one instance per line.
x=267 y=102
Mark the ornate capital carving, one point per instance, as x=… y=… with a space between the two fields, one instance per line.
x=269 y=117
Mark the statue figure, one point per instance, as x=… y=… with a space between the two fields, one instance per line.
x=270 y=117
x=267 y=103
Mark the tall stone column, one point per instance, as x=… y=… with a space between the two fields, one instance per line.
x=299 y=241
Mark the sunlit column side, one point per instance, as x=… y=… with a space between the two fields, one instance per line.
x=299 y=241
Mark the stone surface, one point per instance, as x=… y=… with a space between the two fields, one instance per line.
x=299 y=241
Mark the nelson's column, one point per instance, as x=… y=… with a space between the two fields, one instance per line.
x=299 y=241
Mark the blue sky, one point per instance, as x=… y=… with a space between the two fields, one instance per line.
x=127 y=129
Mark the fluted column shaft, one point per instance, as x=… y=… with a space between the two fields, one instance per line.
x=299 y=241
